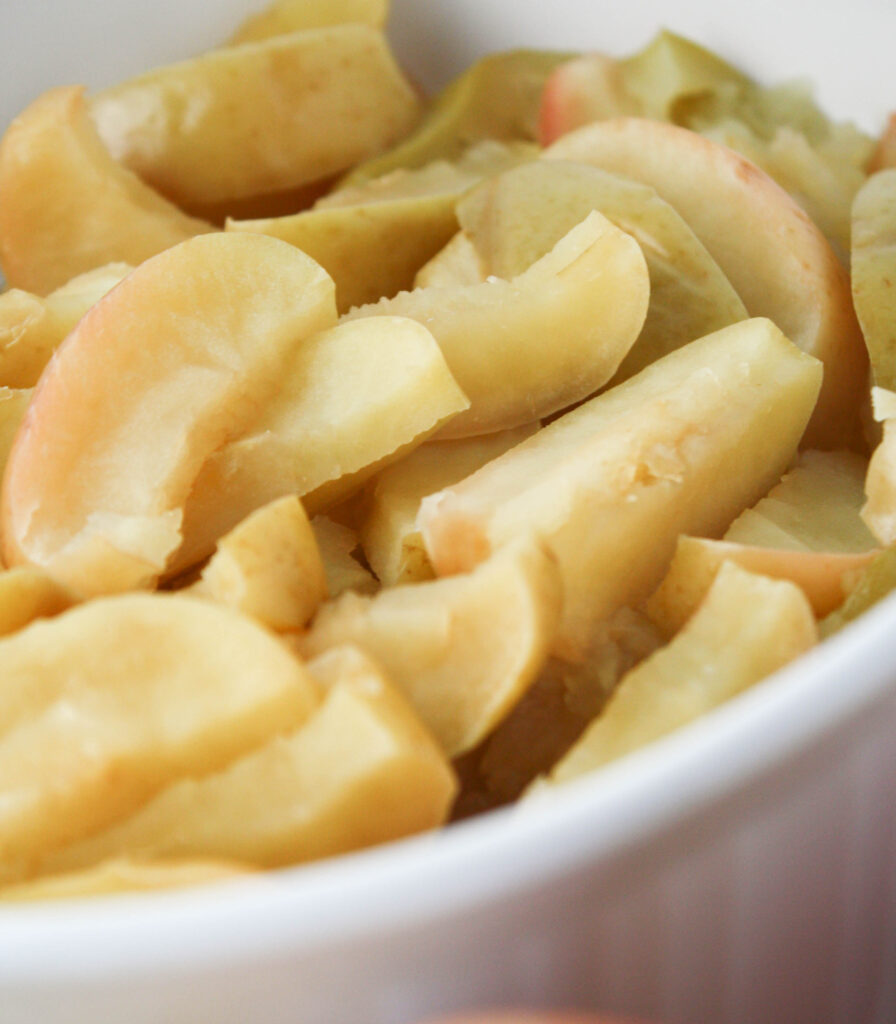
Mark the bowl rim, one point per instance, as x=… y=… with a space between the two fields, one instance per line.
x=475 y=863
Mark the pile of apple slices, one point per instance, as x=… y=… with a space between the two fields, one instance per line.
x=331 y=513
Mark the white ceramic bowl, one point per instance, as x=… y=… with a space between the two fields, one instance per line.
x=742 y=870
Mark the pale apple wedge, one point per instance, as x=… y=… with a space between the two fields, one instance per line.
x=268 y=567
x=284 y=16
x=372 y=239
x=875 y=583
x=262 y=117
x=682 y=447
x=13 y=405
x=514 y=218
x=392 y=544
x=93 y=724
x=776 y=258
x=27 y=594
x=66 y=206
x=32 y=328
x=747 y=628
x=582 y=90
x=457 y=265
x=874 y=272
x=354 y=398
x=362 y=770
x=126 y=875
x=116 y=433
x=337 y=544
x=496 y=98
x=462 y=650
x=525 y=348
x=879 y=512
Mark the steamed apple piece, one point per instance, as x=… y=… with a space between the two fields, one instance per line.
x=26 y=594
x=337 y=544
x=105 y=705
x=116 y=433
x=392 y=543
x=373 y=238
x=496 y=98
x=876 y=582
x=515 y=218
x=457 y=265
x=32 y=328
x=284 y=16
x=462 y=650
x=262 y=117
x=748 y=627
x=13 y=405
x=874 y=272
x=884 y=155
x=353 y=398
x=525 y=348
x=67 y=207
x=361 y=770
x=775 y=257
x=880 y=509
x=682 y=447
x=582 y=90
x=268 y=567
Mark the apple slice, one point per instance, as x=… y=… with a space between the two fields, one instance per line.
x=261 y=118
x=582 y=90
x=682 y=447
x=13 y=405
x=110 y=702
x=373 y=238
x=337 y=544
x=116 y=434
x=32 y=328
x=66 y=206
x=884 y=155
x=462 y=650
x=362 y=770
x=125 y=875
x=776 y=258
x=523 y=349
x=514 y=218
x=268 y=567
x=879 y=512
x=392 y=544
x=874 y=271
x=876 y=581
x=354 y=398
x=747 y=628
x=495 y=98
x=284 y=16
x=26 y=594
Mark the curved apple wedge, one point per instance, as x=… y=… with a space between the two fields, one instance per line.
x=66 y=206
x=165 y=369
x=523 y=349
x=463 y=650
x=91 y=727
x=682 y=447
x=777 y=259
x=361 y=770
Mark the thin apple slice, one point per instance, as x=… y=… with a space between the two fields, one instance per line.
x=125 y=875
x=337 y=544
x=110 y=702
x=776 y=258
x=525 y=348
x=353 y=399
x=457 y=265
x=874 y=271
x=66 y=206
x=32 y=328
x=496 y=98
x=362 y=770
x=462 y=650
x=262 y=118
x=747 y=628
x=389 y=533
x=682 y=447
x=514 y=218
x=116 y=434
x=268 y=567
x=582 y=90
x=284 y=16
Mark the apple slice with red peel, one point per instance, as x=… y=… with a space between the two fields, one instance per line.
x=776 y=258
x=66 y=206
x=116 y=433
x=261 y=118
x=525 y=348
x=584 y=89
x=682 y=447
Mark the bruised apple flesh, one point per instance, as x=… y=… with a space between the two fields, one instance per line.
x=681 y=447
x=116 y=433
